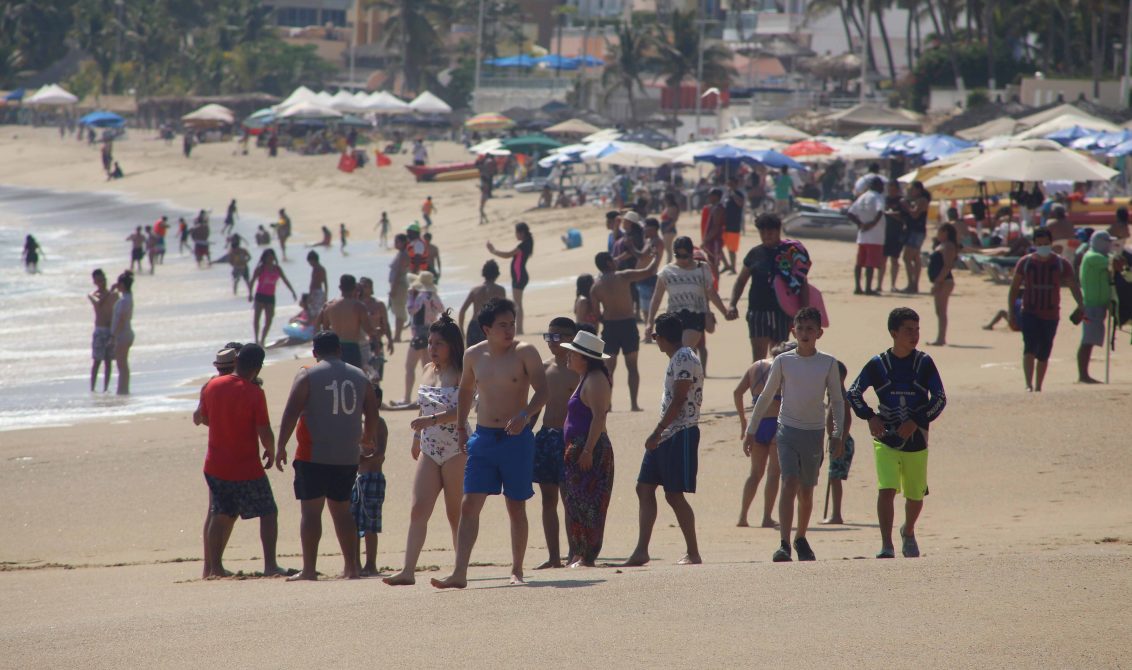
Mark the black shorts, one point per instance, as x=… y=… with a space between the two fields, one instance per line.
x=771 y=324
x=1037 y=336
x=674 y=463
x=621 y=336
x=137 y=254
x=893 y=240
x=319 y=480
x=696 y=321
x=246 y=499
x=419 y=343
x=264 y=299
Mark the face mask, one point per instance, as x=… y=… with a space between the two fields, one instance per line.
x=1044 y=250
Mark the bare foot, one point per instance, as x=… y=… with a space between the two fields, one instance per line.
x=369 y=571
x=769 y=523
x=400 y=579
x=832 y=521
x=221 y=574
x=636 y=409
x=690 y=559
x=988 y=327
x=1087 y=380
x=743 y=524
x=581 y=563
x=349 y=575
x=277 y=571
x=549 y=564
x=303 y=577
x=636 y=560
x=448 y=583
x=517 y=579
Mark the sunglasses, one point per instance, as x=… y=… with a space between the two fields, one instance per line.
x=553 y=337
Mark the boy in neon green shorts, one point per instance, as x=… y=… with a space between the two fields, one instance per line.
x=910 y=396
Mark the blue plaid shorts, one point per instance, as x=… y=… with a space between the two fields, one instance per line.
x=366 y=501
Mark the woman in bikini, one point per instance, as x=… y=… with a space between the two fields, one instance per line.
x=668 y=219
x=764 y=454
x=121 y=329
x=583 y=308
x=519 y=277
x=436 y=449
x=940 y=264
x=267 y=275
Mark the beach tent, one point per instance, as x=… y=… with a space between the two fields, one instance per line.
x=300 y=94
x=1041 y=117
x=343 y=101
x=1026 y=161
x=309 y=110
x=386 y=103
x=771 y=130
x=427 y=103
x=1064 y=122
x=102 y=120
x=323 y=98
x=210 y=115
x=994 y=128
x=52 y=95
x=573 y=127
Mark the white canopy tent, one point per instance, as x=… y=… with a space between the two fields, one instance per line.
x=52 y=95
x=300 y=94
x=309 y=110
x=383 y=102
x=427 y=103
x=210 y=115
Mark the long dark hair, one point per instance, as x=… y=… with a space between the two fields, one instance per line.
x=595 y=365
x=263 y=257
x=951 y=233
x=583 y=285
x=448 y=329
x=525 y=230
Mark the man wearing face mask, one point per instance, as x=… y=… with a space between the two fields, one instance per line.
x=1096 y=289
x=1040 y=276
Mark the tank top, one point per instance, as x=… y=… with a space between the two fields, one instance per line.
x=267 y=280
x=333 y=413
x=578 y=416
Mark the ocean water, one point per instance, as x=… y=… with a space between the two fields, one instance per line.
x=182 y=314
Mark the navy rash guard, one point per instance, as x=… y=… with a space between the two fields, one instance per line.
x=906 y=388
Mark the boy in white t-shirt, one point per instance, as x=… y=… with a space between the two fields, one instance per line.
x=804 y=377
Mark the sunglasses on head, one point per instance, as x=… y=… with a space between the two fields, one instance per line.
x=553 y=337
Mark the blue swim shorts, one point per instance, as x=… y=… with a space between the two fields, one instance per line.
x=498 y=462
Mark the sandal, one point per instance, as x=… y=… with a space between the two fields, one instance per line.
x=909 y=547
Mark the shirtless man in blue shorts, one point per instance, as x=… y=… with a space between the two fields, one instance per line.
x=501 y=451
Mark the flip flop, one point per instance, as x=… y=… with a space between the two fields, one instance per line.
x=909 y=547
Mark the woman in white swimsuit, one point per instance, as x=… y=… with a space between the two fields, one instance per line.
x=122 y=329
x=440 y=463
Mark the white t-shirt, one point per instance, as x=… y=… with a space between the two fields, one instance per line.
x=684 y=365
x=862 y=184
x=687 y=288
x=804 y=383
x=866 y=208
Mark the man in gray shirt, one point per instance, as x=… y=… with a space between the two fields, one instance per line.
x=328 y=402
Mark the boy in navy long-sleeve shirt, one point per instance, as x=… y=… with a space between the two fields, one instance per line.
x=910 y=394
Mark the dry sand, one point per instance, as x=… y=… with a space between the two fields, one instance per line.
x=1027 y=533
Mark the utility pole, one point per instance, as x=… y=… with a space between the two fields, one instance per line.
x=865 y=49
x=699 y=72
x=1124 y=81
x=479 y=59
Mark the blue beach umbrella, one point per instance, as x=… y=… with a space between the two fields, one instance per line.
x=724 y=154
x=102 y=120
x=1119 y=150
x=522 y=60
x=891 y=143
x=1067 y=135
x=15 y=96
x=556 y=62
x=934 y=147
x=774 y=159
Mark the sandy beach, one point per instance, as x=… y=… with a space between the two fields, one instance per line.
x=1027 y=535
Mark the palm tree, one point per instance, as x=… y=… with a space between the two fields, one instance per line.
x=625 y=64
x=677 y=54
x=414 y=29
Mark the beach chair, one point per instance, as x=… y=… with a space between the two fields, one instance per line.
x=973 y=264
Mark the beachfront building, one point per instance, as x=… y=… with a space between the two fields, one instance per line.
x=305 y=13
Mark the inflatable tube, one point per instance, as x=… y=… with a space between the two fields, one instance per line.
x=299 y=331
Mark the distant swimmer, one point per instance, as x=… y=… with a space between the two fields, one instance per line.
x=327 y=239
x=283 y=231
x=32 y=252
x=182 y=234
x=239 y=258
x=230 y=218
x=262 y=236
x=161 y=229
x=343 y=235
x=383 y=225
x=199 y=234
x=137 y=248
x=267 y=274
x=319 y=287
x=102 y=299
x=519 y=256
x=121 y=329
x=151 y=247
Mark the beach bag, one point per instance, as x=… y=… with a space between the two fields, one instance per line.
x=791 y=302
x=347 y=163
x=381 y=160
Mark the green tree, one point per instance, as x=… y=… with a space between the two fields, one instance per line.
x=32 y=35
x=414 y=30
x=677 y=47
x=625 y=64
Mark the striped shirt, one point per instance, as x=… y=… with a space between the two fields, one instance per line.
x=1042 y=280
x=687 y=288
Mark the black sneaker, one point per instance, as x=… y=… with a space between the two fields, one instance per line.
x=803 y=549
x=783 y=554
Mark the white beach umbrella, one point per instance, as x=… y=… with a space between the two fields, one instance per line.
x=1026 y=161
x=630 y=154
x=1067 y=121
x=770 y=130
x=607 y=135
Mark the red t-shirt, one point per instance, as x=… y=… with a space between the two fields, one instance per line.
x=303 y=436
x=234 y=407
x=1041 y=283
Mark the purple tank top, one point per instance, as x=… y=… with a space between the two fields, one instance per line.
x=578 y=416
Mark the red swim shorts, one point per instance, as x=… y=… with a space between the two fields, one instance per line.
x=870 y=255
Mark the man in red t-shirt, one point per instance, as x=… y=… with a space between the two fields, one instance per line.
x=1040 y=276
x=234 y=408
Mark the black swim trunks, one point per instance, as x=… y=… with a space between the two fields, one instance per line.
x=696 y=321
x=137 y=254
x=621 y=336
x=264 y=299
x=319 y=480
